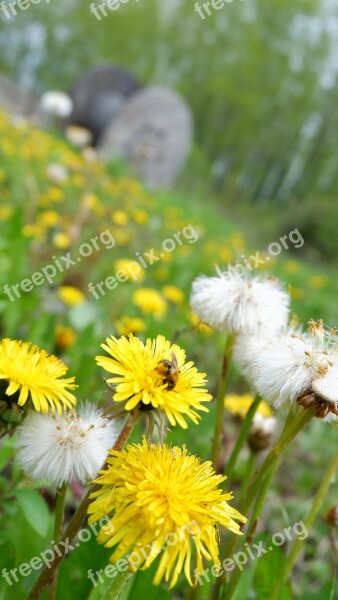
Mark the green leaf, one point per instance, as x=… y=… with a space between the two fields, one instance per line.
x=6 y=454
x=268 y=571
x=333 y=586
x=35 y=510
x=7 y=555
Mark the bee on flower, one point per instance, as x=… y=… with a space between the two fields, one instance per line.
x=154 y=378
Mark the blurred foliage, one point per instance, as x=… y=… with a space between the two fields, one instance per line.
x=261 y=79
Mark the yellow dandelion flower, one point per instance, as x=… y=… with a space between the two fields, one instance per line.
x=292 y=266
x=128 y=267
x=140 y=216
x=120 y=217
x=64 y=337
x=150 y=302
x=164 y=502
x=32 y=230
x=173 y=294
x=61 y=240
x=147 y=376
x=239 y=405
x=32 y=374
x=70 y=295
x=49 y=218
x=5 y=212
x=317 y=282
x=127 y=325
x=198 y=324
x=296 y=293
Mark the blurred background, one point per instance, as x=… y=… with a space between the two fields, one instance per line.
x=261 y=80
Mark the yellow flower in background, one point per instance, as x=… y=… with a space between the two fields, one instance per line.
x=127 y=325
x=61 y=240
x=48 y=218
x=146 y=376
x=140 y=216
x=93 y=203
x=5 y=212
x=317 y=282
x=70 y=295
x=119 y=217
x=173 y=294
x=239 y=405
x=150 y=302
x=198 y=324
x=34 y=375
x=125 y=264
x=32 y=230
x=225 y=254
x=296 y=293
x=54 y=194
x=164 y=502
x=64 y=337
x=161 y=273
x=292 y=266
x=121 y=237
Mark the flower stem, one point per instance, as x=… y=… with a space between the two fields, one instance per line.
x=261 y=483
x=58 y=525
x=78 y=518
x=242 y=436
x=308 y=522
x=249 y=470
x=220 y=400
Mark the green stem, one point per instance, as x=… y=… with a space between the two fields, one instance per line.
x=78 y=518
x=308 y=522
x=242 y=436
x=220 y=400
x=249 y=470
x=58 y=525
x=292 y=427
x=258 y=506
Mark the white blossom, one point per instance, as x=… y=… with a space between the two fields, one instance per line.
x=56 y=104
x=288 y=364
x=240 y=304
x=61 y=448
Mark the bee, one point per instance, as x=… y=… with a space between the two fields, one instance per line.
x=170 y=371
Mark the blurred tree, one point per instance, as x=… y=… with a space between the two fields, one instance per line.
x=260 y=78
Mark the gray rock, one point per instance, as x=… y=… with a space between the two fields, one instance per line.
x=153 y=134
x=20 y=102
x=99 y=96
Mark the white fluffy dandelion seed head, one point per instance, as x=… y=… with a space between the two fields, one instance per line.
x=327 y=387
x=240 y=304
x=246 y=349
x=263 y=425
x=56 y=104
x=288 y=364
x=61 y=448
